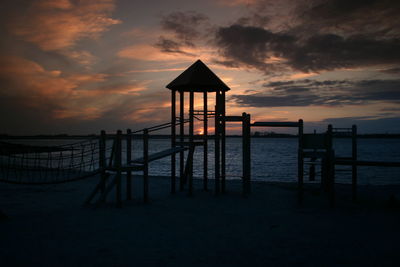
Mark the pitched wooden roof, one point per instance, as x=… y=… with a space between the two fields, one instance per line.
x=198 y=78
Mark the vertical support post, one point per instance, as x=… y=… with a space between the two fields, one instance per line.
x=217 y=144
x=354 y=161
x=173 y=140
x=330 y=166
x=191 y=140
x=102 y=161
x=205 y=143
x=146 y=166
x=300 y=164
x=181 y=139
x=223 y=142
x=128 y=161
x=118 y=159
x=246 y=154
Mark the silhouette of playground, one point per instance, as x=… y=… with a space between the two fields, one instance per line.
x=26 y=164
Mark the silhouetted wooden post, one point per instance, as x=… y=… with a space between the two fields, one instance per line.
x=102 y=160
x=191 y=140
x=173 y=140
x=330 y=166
x=118 y=161
x=128 y=161
x=300 y=163
x=217 y=144
x=205 y=144
x=181 y=139
x=146 y=165
x=223 y=142
x=246 y=154
x=354 y=161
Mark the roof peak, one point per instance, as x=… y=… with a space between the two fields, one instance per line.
x=198 y=78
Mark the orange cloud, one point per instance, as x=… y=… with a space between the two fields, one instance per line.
x=57 y=25
x=81 y=96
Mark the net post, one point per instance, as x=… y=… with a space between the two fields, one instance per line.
x=354 y=161
x=102 y=161
x=205 y=145
x=128 y=161
x=173 y=140
x=146 y=165
x=118 y=158
x=300 y=164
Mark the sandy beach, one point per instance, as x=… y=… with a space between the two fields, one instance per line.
x=48 y=226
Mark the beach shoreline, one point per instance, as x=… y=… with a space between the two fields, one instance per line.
x=48 y=226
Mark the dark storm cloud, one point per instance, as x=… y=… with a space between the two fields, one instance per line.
x=253 y=46
x=322 y=93
x=318 y=35
x=185 y=25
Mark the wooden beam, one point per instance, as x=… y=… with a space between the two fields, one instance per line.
x=275 y=124
x=234 y=118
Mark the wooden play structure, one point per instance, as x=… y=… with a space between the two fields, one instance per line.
x=98 y=156
x=197 y=80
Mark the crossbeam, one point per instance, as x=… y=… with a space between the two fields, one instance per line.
x=233 y=118
x=275 y=124
x=161 y=154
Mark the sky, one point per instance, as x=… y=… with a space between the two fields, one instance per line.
x=81 y=66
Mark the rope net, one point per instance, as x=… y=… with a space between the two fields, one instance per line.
x=28 y=164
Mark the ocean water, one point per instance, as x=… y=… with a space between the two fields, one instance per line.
x=272 y=159
x=275 y=159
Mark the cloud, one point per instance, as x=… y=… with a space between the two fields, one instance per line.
x=170 y=46
x=322 y=93
x=57 y=25
x=42 y=98
x=186 y=26
x=147 y=52
x=254 y=46
x=313 y=36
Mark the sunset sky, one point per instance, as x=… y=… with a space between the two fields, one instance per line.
x=76 y=67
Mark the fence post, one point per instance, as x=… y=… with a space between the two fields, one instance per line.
x=146 y=165
x=102 y=161
x=354 y=161
x=330 y=166
x=173 y=140
x=246 y=154
x=118 y=163
x=300 y=163
x=205 y=145
x=128 y=161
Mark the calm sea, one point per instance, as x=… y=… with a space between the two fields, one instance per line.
x=275 y=159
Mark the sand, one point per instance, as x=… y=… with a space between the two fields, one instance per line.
x=48 y=226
